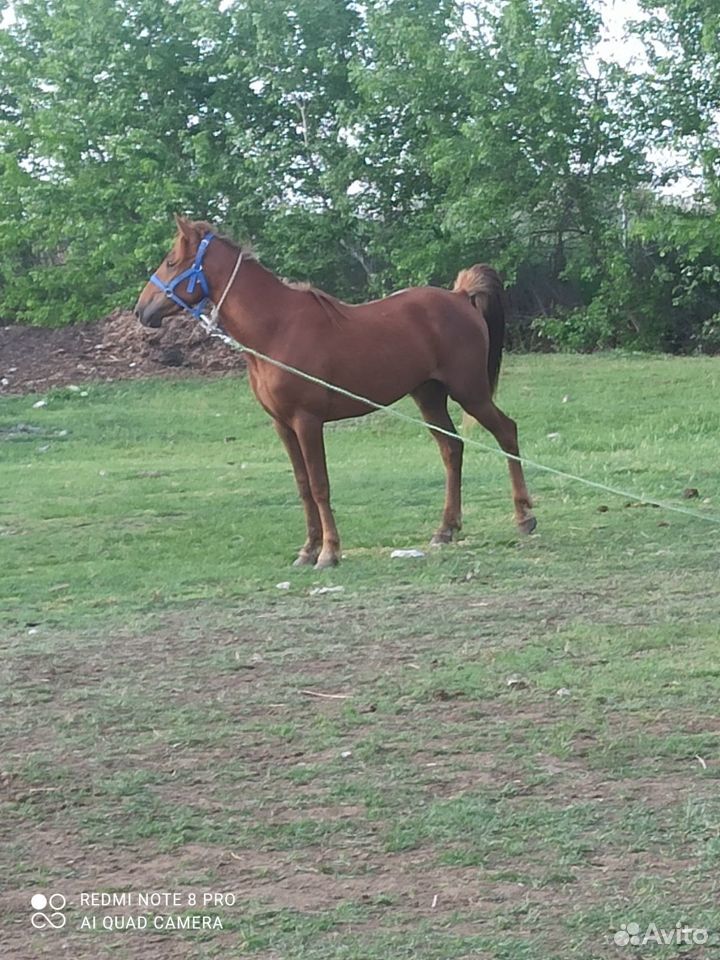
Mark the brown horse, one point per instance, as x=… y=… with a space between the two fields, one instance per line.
x=425 y=341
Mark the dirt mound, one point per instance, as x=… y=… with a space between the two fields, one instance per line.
x=34 y=359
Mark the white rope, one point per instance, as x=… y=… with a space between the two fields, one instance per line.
x=211 y=327
x=215 y=312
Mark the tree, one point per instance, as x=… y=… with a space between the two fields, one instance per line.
x=117 y=114
x=112 y=108
x=676 y=103
x=364 y=147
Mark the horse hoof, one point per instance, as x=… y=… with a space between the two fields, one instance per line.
x=445 y=535
x=324 y=562
x=303 y=560
x=528 y=525
x=440 y=539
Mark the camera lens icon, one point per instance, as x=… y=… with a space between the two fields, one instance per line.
x=55 y=903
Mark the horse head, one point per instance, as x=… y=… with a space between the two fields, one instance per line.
x=179 y=283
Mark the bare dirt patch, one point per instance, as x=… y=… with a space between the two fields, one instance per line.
x=35 y=359
x=346 y=774
x=244 y=779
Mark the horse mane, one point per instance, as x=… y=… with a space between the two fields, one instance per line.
x=204 y=226
x=333 y=307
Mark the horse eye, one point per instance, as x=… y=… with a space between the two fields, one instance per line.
x=169 y=262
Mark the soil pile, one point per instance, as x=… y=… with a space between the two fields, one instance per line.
x=35 y=359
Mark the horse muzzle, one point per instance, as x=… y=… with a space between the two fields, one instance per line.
x=151 y=314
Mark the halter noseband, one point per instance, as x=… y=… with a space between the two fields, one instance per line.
x=193 y=275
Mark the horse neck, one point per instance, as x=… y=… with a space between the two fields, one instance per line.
x=255 y=305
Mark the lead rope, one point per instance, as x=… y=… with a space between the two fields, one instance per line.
x=215 y=312
x=211 y=326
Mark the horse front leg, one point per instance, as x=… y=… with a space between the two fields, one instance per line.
x=309 y=432
x=311 y=548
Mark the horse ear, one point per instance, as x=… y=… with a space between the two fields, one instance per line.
x=184 y=226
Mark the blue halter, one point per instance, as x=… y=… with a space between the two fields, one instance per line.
x=193 y=275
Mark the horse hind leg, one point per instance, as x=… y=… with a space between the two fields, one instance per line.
x=505 y=432
x=431 y=398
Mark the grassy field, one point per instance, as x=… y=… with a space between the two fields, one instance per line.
x=506 y=749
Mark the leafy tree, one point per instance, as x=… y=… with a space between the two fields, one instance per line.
x=678 y=104
x=290 y=147
x=112 y=108
x=486 y=135
x=365 y=147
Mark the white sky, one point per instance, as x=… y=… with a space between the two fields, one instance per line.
x=615 y=45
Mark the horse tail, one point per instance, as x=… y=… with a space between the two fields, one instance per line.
x=484 y=288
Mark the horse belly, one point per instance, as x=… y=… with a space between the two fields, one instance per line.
x=381 y=375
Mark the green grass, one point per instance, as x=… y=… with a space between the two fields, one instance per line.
x=158 y=732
